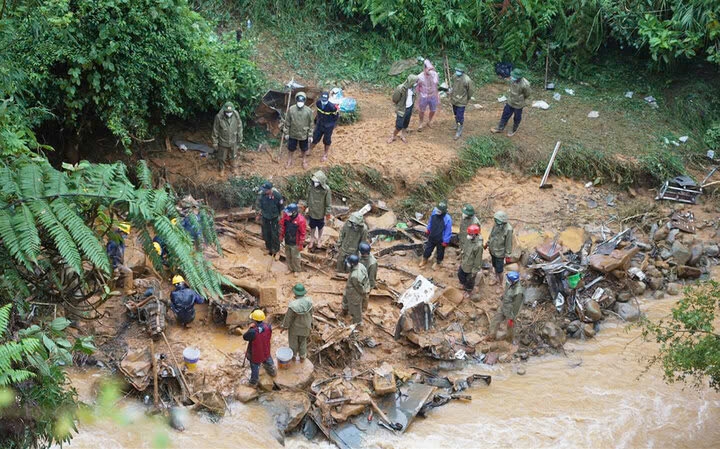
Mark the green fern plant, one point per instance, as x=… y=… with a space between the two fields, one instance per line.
x=13 y=353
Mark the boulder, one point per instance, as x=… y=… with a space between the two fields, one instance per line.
x=553 y=334
x=685 y=272
x=297 y=376
x=655 y=283
x=384 y=380
x=575 y=329
x=674 y=288
x=618 y=259
x=627 y=311
x=637 y=287
x=695 y=252
x=536 y=294
x=589 y=330
x=593 y=311
x=384 y=221
x=245 y=393
x=287 y=408
x=712 y=250
x=623 y=297
x=672 y=235
x=665 y=254
x=659 y=294
x=661 y=234
x=680 y=253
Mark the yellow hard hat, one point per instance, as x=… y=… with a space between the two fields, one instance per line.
x=173 y=221
x=257 y=315
x=124 y=226
x=177 y=279
x=157 y=247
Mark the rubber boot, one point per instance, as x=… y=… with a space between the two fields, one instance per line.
x=423 y=262
x=498 y=129
x=459 y=131
x=512 y=133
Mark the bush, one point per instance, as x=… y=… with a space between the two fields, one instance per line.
x=712 y=137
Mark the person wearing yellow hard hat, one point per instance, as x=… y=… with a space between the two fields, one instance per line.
x=183 y=300
x=115 y=249
x=259 y=338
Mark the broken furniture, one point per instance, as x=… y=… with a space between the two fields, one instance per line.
x=681 y=189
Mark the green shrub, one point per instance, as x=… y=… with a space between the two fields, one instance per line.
x=712 y=137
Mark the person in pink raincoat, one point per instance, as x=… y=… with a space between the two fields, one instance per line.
x=428 y=96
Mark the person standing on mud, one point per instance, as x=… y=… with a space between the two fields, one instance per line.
x=511 y=302
x=369 y=262
x=439 y=231
x=183 y=300
x=460 y=95
x=357 y=289
x=319 y=207
x=352 y=234
x=259 y=338
x=517 y=97
x=468 y=219
x=298 y=129
x=292 y=230
x=471 y=258
x=116 y=253
x=500 y=243
x=269 y=205
x=404 y=99
x=325 y=122
x=227 y=134
x=298 y=321
x=427 y=88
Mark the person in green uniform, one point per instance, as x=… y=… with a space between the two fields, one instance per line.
x=298 y=129
x=512 y=300
x=460 y=95
x=319 y=207
x=227 y=134
x=517 y=97
x=471 y=258
x=404 y=98
x=468 y=218
x=353 y=232
x=370 y=263
x=357 y=288
x=500 y=244
x=269 y=205
x=298 y=321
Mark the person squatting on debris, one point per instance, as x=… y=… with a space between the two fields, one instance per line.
x=460 y=94
x=269 y=205
x=319 y=207
x=468 y=218
x=227 y=134
x=439 y=231
x=357 y=289
x=298 y=321
x=298 y=129
x=325 y=122
x=500 y=244
x=471 y=258
x=427 y=89
x=292 y=230
x=352 y=234
x=369 y=262
x=404 y=98
x=259 y=337
x=517 y=96
x=115 y=249
x=183 y=300
x=511 y=302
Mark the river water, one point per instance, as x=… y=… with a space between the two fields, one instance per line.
x=596 y=396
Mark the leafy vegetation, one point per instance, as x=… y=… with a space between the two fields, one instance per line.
x=712 y=137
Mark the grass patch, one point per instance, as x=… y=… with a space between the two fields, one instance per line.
x=355 y=184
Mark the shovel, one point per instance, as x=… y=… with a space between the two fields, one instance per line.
x=543 y=184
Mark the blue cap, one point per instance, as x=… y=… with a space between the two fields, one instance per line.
x=364 y=248
x=513 y=276
x=291 y=208
x=352 y=260
x=267 y=185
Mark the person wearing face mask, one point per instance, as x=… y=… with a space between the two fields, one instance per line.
x=471 y=258
x=427 y=88
x=326 y=119
x=460 y=94
x=439 y=231
x=512 y=300
x=298 y=129
x=357 y=289
x=352 y=234
x=517 y=97
x=227 y=134
x=268 y=206
x=292 y=230
x=404 y=99
x=370 y=263
x=319 y=201
x=500 y=244
x=468 y=218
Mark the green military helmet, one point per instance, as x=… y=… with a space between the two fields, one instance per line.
x=468 y=210
x=356 y=218
x=412 y=79
x=299 y=290
x=442 y=207
x=300 y=96
x=516 y=74
x=460 y=67
x=501 y=216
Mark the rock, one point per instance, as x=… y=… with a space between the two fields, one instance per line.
x=659 y=294
x=655 y=283
x=574 y=327
x=674 y=289
x=593 y=311
x=665 y=254
x=712 y=250
x=608 y=299
x=504 y=358
x=661 y=234
x=680 y=253
x=672 y=235
x=268 y=297
x=637 y=287
x=287 y=408
x=297 y=376
x=628 y=312
x=661 y=265
x=553 y=334
x=536 y=294
x=589 y=330
x=384 y=221
x=384 y=380
x=685 y=272
x=178 y=418
x=695 y=252
x=624 y=297
x=491 y=358
x=521 y=370
x=245 y=393
x=618 y=259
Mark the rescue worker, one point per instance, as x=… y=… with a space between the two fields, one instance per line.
x=357 y=289
x=500 y=244
x=404 y=99
x=298 y=129
x=471 y=263
x=269 y=205
x=512 y=300
x=439 y=231
x=427 y=89
x=352 y=234
x=468 y=218
x=319 y=207
x=325 y=122
x=460 y=94
x=183 y=300
x=298 y=321
x=369 y=262
x=517 y=97
x=227 y=134
x=259 y=337
x=292 y=230
x=116 y=253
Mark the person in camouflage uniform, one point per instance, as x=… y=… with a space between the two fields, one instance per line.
x=357 y=289
x=298 y=321
x=227 y=134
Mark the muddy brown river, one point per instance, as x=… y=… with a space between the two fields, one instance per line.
x=597 y=396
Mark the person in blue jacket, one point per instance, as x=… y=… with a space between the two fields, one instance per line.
x=325 y=121
x=439 y=230
x=183 y=300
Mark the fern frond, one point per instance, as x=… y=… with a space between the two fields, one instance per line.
x=87 y=240
x=55 y=181
x=5 y=319
x=60 y=236
x=25 y=227
x=30 y=180
x=144 y=174
x=11 y=240
x=13 y=376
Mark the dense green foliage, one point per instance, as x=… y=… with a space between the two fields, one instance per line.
x=689 y=343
